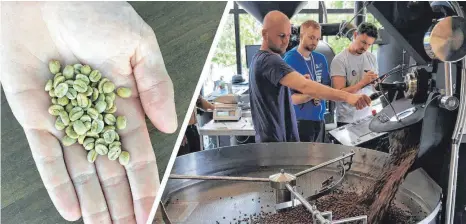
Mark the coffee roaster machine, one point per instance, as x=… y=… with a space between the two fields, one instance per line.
x=427 y=85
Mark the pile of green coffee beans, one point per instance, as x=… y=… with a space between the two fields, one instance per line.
x=84 y=103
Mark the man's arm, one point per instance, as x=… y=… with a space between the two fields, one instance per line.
x=298 y=98
x=296 y=81
x=314 y=89
x=339 y=82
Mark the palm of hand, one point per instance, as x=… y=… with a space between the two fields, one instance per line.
x=112 y=38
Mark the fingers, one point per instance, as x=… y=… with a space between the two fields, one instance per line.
x=116 y=189
x=142 y=169
x=47 y=153
x=154 y=85
x=363 y=101
x=86 y=182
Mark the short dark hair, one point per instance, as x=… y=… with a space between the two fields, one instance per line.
x=369 y=29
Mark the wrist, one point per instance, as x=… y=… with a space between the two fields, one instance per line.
x=346 y=96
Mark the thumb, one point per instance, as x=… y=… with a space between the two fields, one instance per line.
x=155 y=87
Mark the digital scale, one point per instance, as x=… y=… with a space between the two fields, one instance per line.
x=227 y=112
x=226 y=108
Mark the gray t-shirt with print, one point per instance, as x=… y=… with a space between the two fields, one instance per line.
x=352 y=68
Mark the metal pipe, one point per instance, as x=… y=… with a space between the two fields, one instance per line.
x=448 y=80
x=315 y=213
x=324 y=16
x=352 y=219
x=195 y=177
x=324 y=164
x=456 y=138
x=359 y=13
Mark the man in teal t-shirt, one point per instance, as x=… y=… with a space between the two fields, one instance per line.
x=309 y=111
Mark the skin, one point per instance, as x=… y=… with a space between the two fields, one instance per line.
x=309 y=39
x=360 y=44
x=110 y=37
x=276 y=34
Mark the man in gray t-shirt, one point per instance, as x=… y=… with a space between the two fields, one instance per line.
x=347 y=72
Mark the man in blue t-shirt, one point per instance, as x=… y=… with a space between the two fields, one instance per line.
x=272 y=112
x=309 y=110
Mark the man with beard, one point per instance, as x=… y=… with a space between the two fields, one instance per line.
x=272 y=112
x=309 y=111
x=348 y=72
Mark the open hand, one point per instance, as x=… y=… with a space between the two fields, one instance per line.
x=110 y=37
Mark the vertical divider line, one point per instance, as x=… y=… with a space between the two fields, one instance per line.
x=204 y=73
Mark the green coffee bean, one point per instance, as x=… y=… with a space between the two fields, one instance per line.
x=86 y=69
x=85 y=118
x=101 y=97
x=100 y=106
x=48 y=85
x=95 y=94
x=97 y=126
x=79 y=127
x=80 y=86
x=77 y=68
x=67 y=141
x=88 y=125
x=100 y=141
x=57 y=75
x=82 y=77
x=72 y=93
x=81 y=139
x=95 y=76
x=59 y=124
x=117 y=137
x=114 y=153
x=74 y=102
x=54 y=66
x=52 y=93
x=108 y=87
x=101 y=117
x=82 y=100
x=76 y=113
x=109 y=102
x=58 y=80
x=64 y=117
x=108 y=127
x=89 y=92
x=68 y=72
x=109 y=119
x=93 y=113
x=101 y=84
x=112 y=95
x=63 y=101
x=54 y=100
x=92 y=156
x=109 y=136
x=121 y=122
x=124 y=158
x=89 y=143
x=70 y=83
x=92 y=134
x=114 y=144
x=89 y=146
x=68 y=108
x=101 y=149
x=71 y=133
x=61 y=90
x=89 y=104
x=111 y=110
x=55 y=110
x=124 y=92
